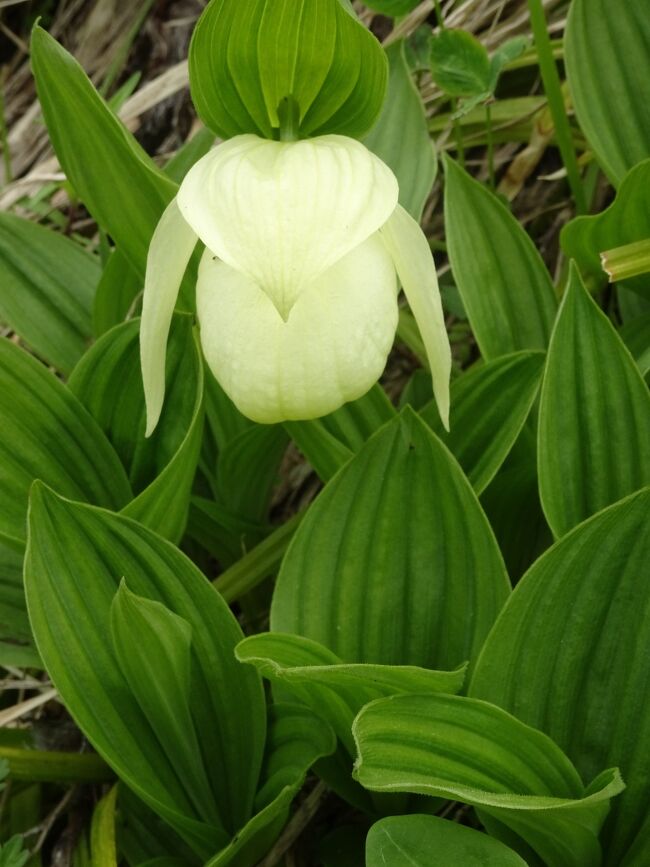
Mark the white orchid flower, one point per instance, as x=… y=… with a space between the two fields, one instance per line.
x=297 y=288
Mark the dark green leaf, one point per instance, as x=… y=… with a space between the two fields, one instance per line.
x=489 y=406
x=567 y=655
x=48 y=283
x=636 y=336
x=502 y=279
x=608 y=67
x=250 y=61
x=373 y=572
x=594 y=416
x=47 y=434
x=401 y=135
x=460 y=65
x=395 y=8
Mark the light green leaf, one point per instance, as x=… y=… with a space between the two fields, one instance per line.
x=108 y=381
x=626 y=220
x=76 y=557
x=504 y=284
x=47 y=434
x=412 y=841
x=102 y=832
x=372 y=572
x=336 y=691
x=608 y=68
x=564 y=656
x=460 y=65
x=119 y=184
x=489 y=406
x=307 y=60
x=468 y=750
x=401 y=135
x=48 y=283
x=117 y=293
x=594 y=416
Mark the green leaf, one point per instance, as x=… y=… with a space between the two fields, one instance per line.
x=44 y=766
x=410 y=841
x=336 y=691
x=108 y=381
x=504 y=284
x=14 y=623
x=153 y=648
x=564 y=656
x=119 y=184
x=608 y=68
x=401 y=135
x=372 y=572
x=48 y=435
x=296 y=740
x=471 y=751
x=76 y=557
x=594 y=416
x=12 y=853
x=460 y=65
x=251 y=61
x=117 y=291
x=394 y=8
x=505 y=54
x=636 y=336
x=48 y=283
x=626 y=220
x=102 y=832
x=489 y=406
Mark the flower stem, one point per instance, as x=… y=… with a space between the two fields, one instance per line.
x=553 y=90
x=289 y=116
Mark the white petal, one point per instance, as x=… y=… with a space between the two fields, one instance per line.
x=284 y=212
x=169 y=252
x=410 y=251
x=332 y=348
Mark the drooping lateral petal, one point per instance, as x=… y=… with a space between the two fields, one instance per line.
x=169 y=252
x=417 y=273
x=332 y=348
x=282 y=213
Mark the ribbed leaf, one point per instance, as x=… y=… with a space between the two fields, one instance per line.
x=502 y=279
x=48 y=283
x=119 y=184
x=567 y=655
x=253 y=65
x=334 y=691
x=594 y=418
x=374 y=572
x=411 y=841
x=626 y=220
x=108 y=381
x=76 y=558
x=401 y=135
x=489 y=406
x=14 y=623
x=472 y=751
x=296 y=740
x=608 y=68
x=47 y=434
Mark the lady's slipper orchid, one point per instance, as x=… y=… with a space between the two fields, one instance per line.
x=297 y=288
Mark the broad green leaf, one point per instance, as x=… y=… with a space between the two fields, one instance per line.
x=504 y=284
x=117 y=293
x=489 y=406
x=47 y=434
x=144 y=838
x=401 y=135
x=48 y=283
x=626 y=220
x=108 y=381
x=336 y=691
x=460 y=65
x=468 y=750
x=102 y=832
x=14 y=623
x=113 y=176
x=306 y=65
x=395 y=8
x=636 y=336
x=594 y=417
x=608 y=68
x=76 y=557
x=153 y=648
x=412 y=841
x=566 y=656
x=296 y=740
x=373 y=572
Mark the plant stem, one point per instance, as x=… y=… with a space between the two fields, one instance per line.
x=553 y=90
x=438 y=8
x=490 y=145
x=289 y=116
x=458 y=132
x=628 y=261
